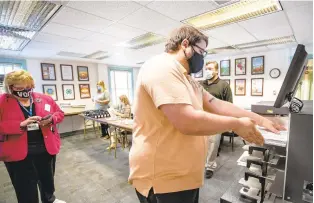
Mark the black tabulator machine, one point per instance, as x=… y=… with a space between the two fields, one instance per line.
x=281 y=170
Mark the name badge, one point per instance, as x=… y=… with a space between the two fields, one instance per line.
x=33 y=126
x=47 y=107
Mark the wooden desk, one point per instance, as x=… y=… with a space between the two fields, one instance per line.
x=116 y=123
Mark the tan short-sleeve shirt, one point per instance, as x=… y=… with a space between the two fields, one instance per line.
x=161 y=157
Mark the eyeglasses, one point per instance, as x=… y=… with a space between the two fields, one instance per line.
x=203 y=51
x=20 y=88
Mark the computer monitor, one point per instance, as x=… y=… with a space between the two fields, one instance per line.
x=293 y=76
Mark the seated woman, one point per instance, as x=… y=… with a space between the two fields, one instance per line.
x=124 y=112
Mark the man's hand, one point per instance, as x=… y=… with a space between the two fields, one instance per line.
x=248 y=131
x=272 y=126
x=30 y=120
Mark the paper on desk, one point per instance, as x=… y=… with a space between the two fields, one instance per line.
x=274 y=139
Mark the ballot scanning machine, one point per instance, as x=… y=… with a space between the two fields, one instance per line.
x=281 y=170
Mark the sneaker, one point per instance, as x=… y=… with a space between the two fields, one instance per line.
x=209 y=174
x=59 y=201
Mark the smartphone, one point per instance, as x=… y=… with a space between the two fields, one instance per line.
x=46 y=117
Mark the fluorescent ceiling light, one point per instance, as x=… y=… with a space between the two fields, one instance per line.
x=221 y=50
x=20 y=20
x=99 y=55
x=235 y=12
x=142 y=41
x=278 y=40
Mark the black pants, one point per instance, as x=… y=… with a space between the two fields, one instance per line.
x=104 y=129
x=34 y=170
x=187 y=196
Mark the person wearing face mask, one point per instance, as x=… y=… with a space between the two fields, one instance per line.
x=102 y=101
x=221 y=90
x=29 y=138
x=172 y=116
x=123 y=112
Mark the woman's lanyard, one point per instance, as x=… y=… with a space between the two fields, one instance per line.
x=30 y=112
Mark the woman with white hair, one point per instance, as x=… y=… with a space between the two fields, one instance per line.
x=29 y=138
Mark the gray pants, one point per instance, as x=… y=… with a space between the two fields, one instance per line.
x=213 y=145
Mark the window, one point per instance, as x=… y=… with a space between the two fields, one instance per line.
x=120 y=82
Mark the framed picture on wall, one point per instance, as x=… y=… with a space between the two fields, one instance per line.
x=257 y=86
x=199 y=74
x=66 y=72
x=240 y=87
x=82 y=73
x=240 y=66
x=51 y=90
x=225 y=68
x=227 y=81
x=84 y=91
x=257 y=65
x=68 y=92
x=48 y=71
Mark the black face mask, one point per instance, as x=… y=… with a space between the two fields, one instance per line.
x=22 y=94
x=196 y=62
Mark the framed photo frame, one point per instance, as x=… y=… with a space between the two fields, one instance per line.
x=82 y=73
x=240 y=87
x=51 y=90
x=199 y=74
x=257 y=86
x=48 y=71
x=240 y=66
x=68 y=92
x=66 y=72
x=257 y=65
x=224 y=68
x=227 y=81
x=84 y=91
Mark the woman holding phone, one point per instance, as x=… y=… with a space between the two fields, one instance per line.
x=29 y=138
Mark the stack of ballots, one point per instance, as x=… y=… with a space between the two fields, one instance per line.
x=270 y=138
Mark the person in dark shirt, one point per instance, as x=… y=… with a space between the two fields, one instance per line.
x=221 y=90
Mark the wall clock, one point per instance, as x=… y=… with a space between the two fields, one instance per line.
x=274 y=73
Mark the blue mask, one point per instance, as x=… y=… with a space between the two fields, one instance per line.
x=99 y=89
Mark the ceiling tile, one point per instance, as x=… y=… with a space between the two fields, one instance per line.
x=156 y=49
x=64 y=30
x=144 y=2
x=301 y=20
x=55 y=39
x=149 y=20
x=112 y=10
x=44 y=46
x=102 y=38
x=290 y=5
x=281 y=46
x=79 y=19
x=213 y=43
x=37 y=53
x=5 y=52
x=183 y=9
x=123 y=31
x=268 y=26
x=256 y=49
x=87 y=47
x=231 y=34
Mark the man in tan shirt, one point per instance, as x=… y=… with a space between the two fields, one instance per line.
x=172 y=115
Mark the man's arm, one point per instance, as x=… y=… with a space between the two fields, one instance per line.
x=194 y=122
x=224 y=108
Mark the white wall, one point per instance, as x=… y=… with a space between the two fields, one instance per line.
x=272 y=59
x=33 y=66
